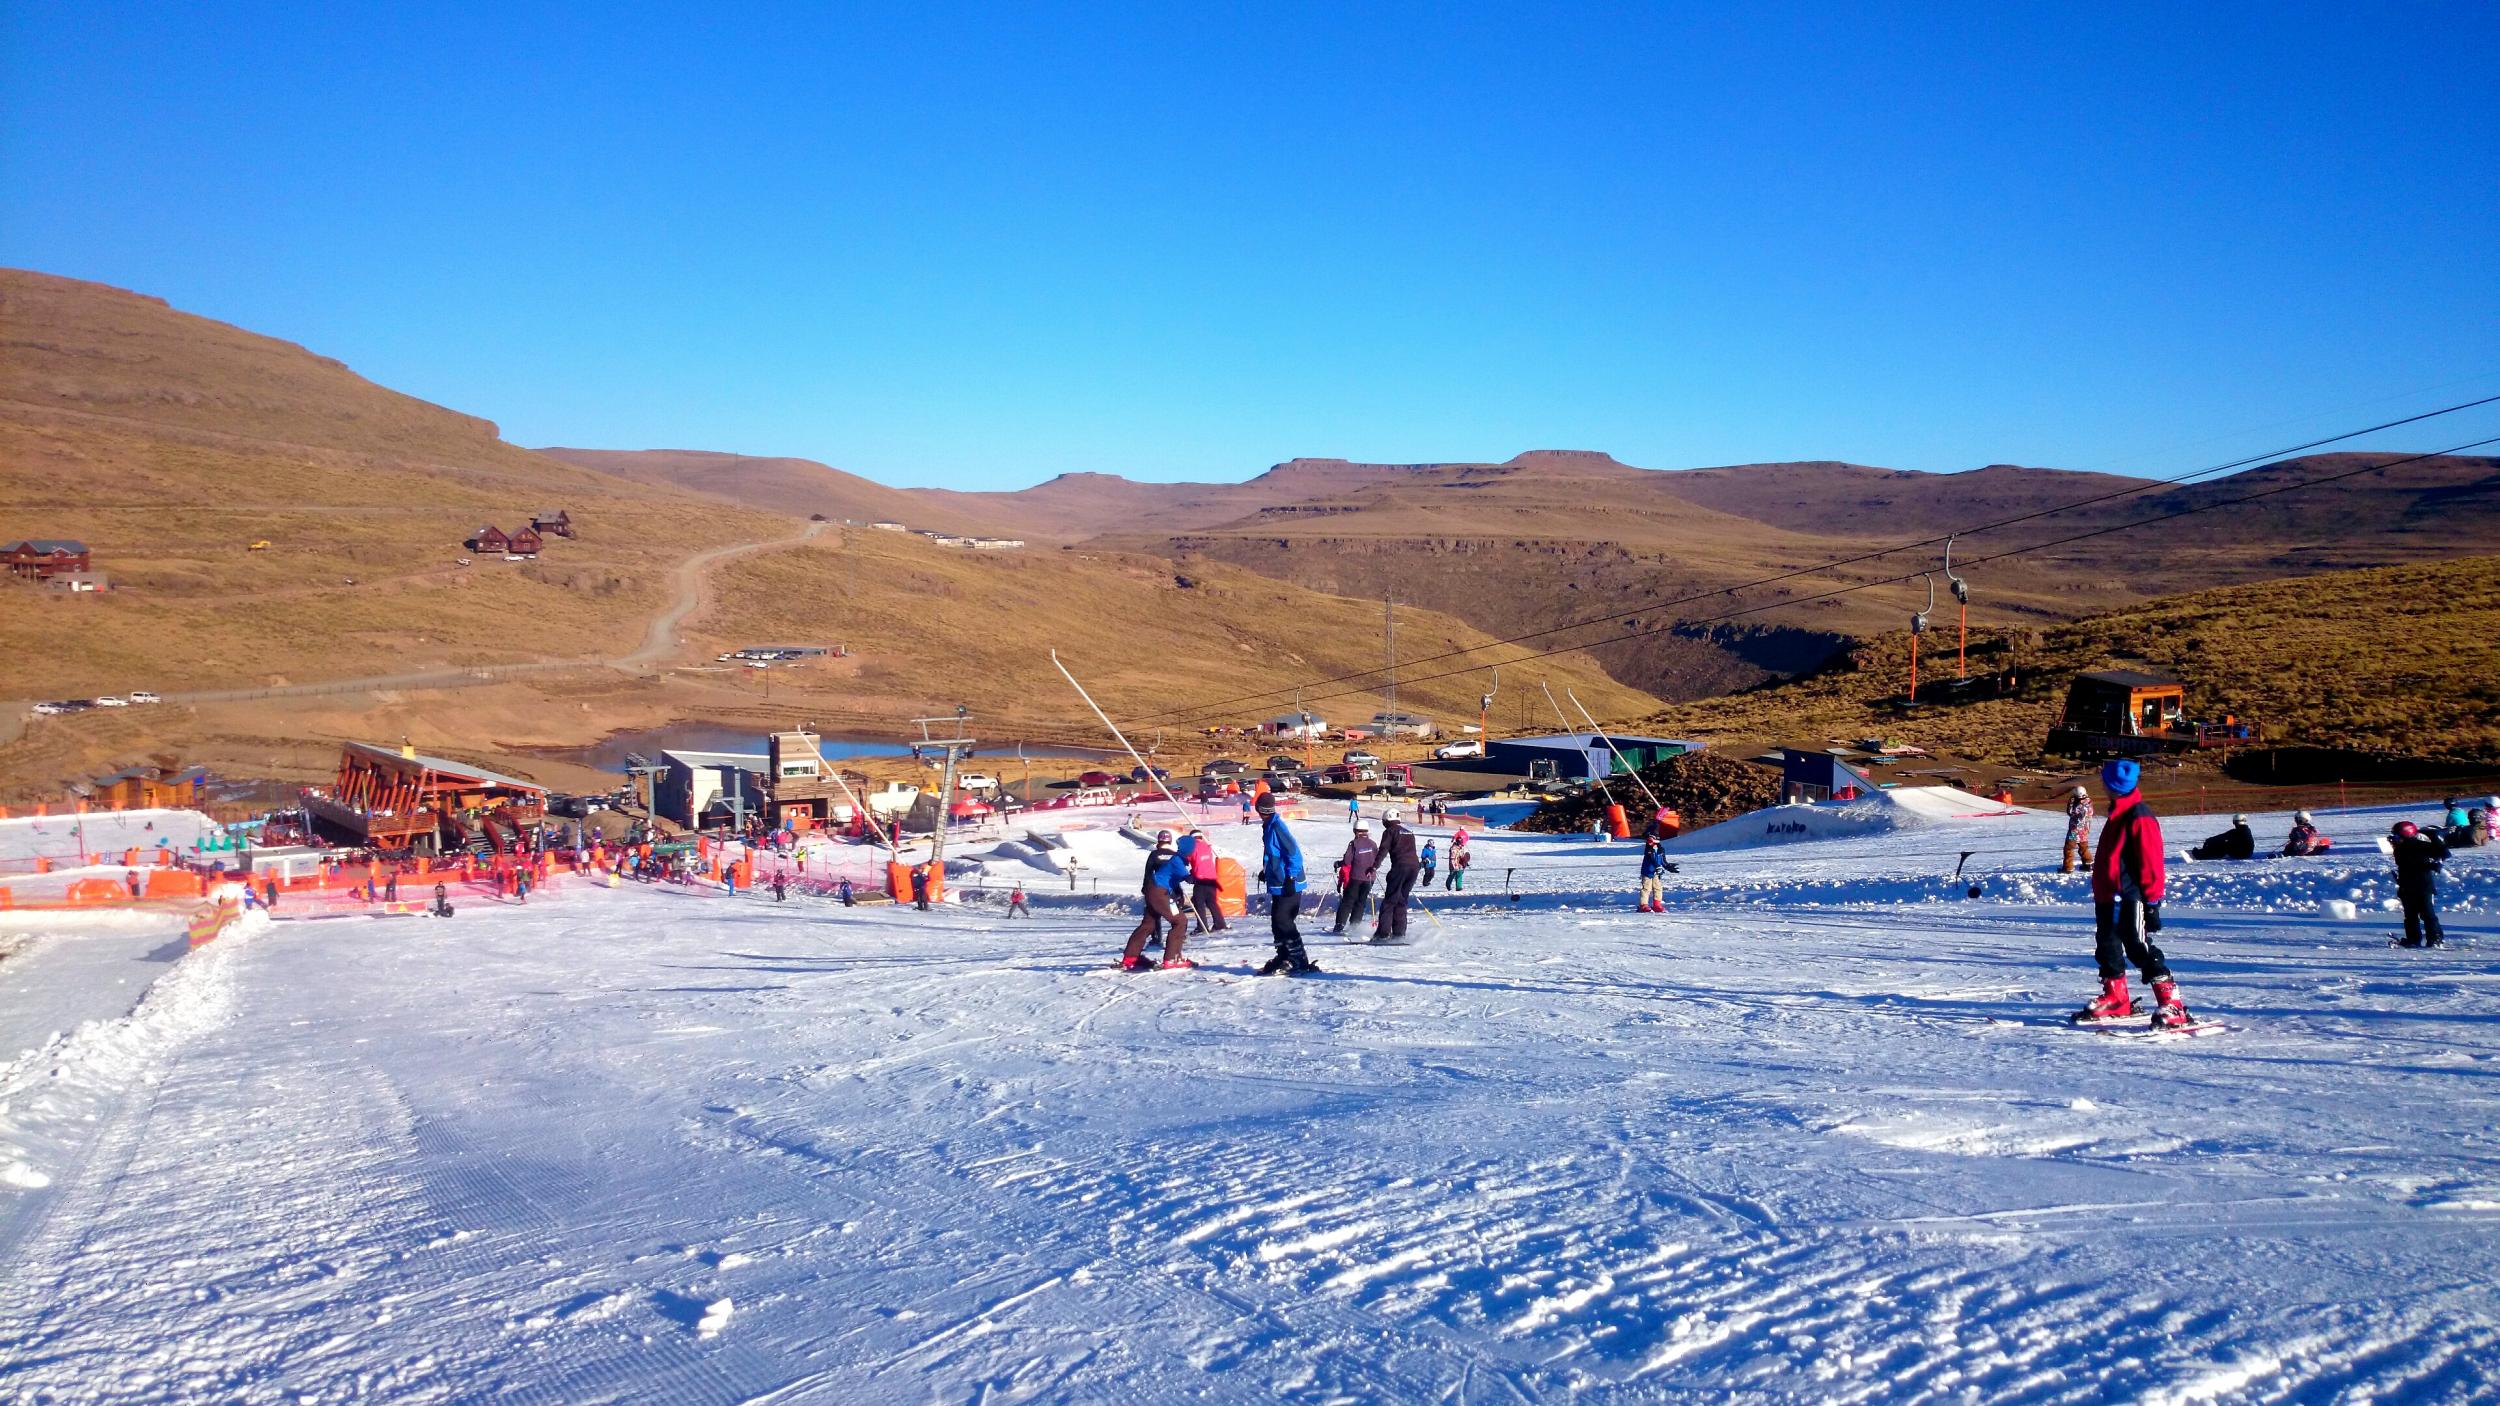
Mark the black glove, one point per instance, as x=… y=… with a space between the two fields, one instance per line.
x=2152 y=917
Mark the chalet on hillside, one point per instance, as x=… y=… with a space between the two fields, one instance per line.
x=488 y=539
x=553 y=522
x=37 y=558
x=525 y=542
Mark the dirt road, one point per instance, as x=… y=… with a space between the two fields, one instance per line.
x=661 y=637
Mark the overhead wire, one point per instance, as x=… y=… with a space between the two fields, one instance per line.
x=1180 y=715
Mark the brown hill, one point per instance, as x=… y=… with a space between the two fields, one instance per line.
x=800 y=487
x=170 y=443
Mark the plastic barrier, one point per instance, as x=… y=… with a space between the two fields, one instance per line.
x=898 y=883
x=174 y=883
x=1232 y=888
x=98 y=891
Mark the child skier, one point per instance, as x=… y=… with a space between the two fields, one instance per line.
x=1165 y=876
x=2305 y=838
x=2127 y=878
x=1280 y=869
x=1432 y=862
x=1459 y=860
x=1354 y=878
x=1016 y=903
x=2418 y=853
x=1653 y=876
x=2078 y=832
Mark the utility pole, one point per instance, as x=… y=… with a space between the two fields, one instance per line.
x=1389 y=644
x=955 y=748
x=1484 y=716
x=1302 y=724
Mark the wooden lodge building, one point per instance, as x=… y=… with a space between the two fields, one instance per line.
x=41 y=558
x=402 y=800
x=554 y=522
x=524 y=542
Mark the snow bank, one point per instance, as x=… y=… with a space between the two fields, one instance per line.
x=1882 y=813
x=28 y=837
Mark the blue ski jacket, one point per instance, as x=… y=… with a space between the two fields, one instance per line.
x=1280 y=859
x=1167 y=871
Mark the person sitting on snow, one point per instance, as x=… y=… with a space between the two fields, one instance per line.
x=2238 y=842
x=2306 y=838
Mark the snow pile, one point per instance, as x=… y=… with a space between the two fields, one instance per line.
x=48 y=1094
x=1883 y=812
x=28 y=837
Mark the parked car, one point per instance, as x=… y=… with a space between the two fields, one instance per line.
x=1450 y=751
x=141 y=695
x=1097 y=778
x=1092 y=796
x=109 y=701
x=1148 y=773
x=1363 y=759
x=47 y=709
x=1281 y=762
x=1222 y=766
x=976 y=781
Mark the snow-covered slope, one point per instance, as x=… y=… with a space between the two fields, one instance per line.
x=1816 y=1135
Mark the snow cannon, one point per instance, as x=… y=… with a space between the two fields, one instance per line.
x=1618 y=824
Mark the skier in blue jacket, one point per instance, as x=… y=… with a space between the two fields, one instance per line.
x=1280 y=868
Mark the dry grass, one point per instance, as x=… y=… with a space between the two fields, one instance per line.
x=2396 y=659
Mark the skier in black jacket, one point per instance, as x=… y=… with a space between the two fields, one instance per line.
x=1397 y=845
x=2418 y=854
x=1354 y=895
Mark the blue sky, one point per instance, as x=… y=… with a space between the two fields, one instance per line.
x=978 y=246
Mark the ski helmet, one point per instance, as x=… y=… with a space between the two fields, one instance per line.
x=1163 y=837
x=2082 y=794
x=1266 y=803
x=2302 y=817
x=2119 y=774
x=2406 y=829
x=2239 y=820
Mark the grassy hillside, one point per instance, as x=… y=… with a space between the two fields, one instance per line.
x=170 y=443
x=797 y=486
x=2395 y=659
x=941 y=625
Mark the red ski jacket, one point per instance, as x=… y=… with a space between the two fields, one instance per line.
x=2130 y=859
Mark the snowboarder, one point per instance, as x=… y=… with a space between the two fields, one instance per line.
x=1432 y=862
x=920 y=887
x=843 y=891
x=1205 y=886
x=2238 y=842
x=2078 y=832
x=442 y=902
x=1016 y=904
x=2127 y=883
x=1280 y=869
x=2305 y=838
x=1354 y=878
x=1459 y=860
x=2419 y=854
x=1397 y=843
x=1653 y=876
x=1165 y=875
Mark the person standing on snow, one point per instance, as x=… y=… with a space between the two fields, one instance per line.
x=1280 y=869
x=1459 y=860
x=920 y=887
x=781 y=886
x=1432 y=863
x=1165 y=875
x=1354 y=885
x=1354 y=811
x=2419 y=854
x=1397 y=844
x=1653 y=876
x=1016 y=903
x=2127 y=882
x=1205 y=887
x=2078 y=832
x=843 y=892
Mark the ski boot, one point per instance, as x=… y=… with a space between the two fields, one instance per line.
x=2168 y=1014
x=1276 y=966
x=1136 y=964
x=1305 y=968
x=2112 y=1004
x=1179 y=964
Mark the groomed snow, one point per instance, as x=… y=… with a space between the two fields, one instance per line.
x=1815 y=1135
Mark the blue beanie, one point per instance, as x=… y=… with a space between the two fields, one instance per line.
x=2119 y=775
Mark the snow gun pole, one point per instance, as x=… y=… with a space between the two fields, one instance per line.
x=1654 y=805
x=1177 y=807
x=1602 y=788
x=867 y=816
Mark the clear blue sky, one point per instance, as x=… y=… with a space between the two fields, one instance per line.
x=981 y=245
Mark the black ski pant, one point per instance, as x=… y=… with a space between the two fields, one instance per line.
x=1284 y=914
x=1202 y=897
x=2118 y=938
x=2421 y=904
x=1393 y=900
x=1354 y=901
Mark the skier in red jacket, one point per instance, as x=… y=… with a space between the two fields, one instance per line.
x=2127 y=879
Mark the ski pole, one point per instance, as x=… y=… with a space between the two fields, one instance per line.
x=1177 y=807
